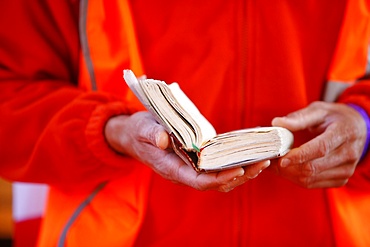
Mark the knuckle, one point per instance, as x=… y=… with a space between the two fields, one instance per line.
x=305 y=182
x=307 y=176
x=301 y=156
x=308 y=169
x=149 y=133
x=324 y=147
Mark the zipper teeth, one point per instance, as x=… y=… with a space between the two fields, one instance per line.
x=243 y=65
x=246 y=101
x=242 y=207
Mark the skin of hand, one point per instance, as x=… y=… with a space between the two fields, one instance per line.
x=331 y=157
x=141 y=137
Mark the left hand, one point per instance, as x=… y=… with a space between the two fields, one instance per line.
x=141 y=137
x=329 y=159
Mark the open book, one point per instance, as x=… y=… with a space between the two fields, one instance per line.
x=194 y=138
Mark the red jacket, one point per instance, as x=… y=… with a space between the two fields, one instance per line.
x=241 y=62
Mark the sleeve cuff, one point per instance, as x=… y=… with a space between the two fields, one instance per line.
x=366 y=118
x=95 y=134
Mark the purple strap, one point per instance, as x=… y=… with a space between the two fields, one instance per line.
x=366 y=117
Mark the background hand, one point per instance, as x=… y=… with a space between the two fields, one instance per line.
x=329 y=159
x=141 y=137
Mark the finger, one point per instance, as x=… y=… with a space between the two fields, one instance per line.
x=314 y=174
x=162 y=140
x=251 y=171
x=339 y=158
x=223 y=181
x=339 y=165
x=342 y=172
x=333 y=177
x=173 y=168
x=229 y=175
x=154 y=133
x=305 y=118
x=316 y=148
x=205 y=181
x=330 y=178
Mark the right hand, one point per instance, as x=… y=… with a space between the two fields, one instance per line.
x=329 y=159
x=142 y=138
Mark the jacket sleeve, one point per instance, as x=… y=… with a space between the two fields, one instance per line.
x=359 y=94
x=50 y=130
x=349 y=204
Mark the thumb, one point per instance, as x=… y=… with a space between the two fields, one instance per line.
x=313 y=115
x=154 y=134
x=162 y=140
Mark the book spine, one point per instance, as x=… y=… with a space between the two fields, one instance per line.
x=190 y=158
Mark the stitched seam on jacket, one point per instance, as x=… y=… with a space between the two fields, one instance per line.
x=77 y=213
x=85 y=44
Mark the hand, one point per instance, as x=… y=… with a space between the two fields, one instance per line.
x=329 y=159
x=141 y=137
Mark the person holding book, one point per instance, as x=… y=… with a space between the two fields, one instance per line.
x=70 y=121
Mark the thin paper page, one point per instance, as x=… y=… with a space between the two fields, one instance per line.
x=208 y=130
x=134 y=85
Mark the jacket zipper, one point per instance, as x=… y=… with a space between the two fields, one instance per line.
x=241 y=206
x=246 y=103
x=243 y=65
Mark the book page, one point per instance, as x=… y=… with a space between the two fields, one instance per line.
x=245 y=146
x=206 y=128
x=144 y=94
x=169 y=117
x=133 y=84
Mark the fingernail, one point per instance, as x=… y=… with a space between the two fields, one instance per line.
x=241 y=172
x=265 y=165
x=161 y=140
x=285 y=162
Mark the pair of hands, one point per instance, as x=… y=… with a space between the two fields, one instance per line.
x=328 y=160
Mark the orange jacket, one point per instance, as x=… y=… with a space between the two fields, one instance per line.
x=241 y=62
